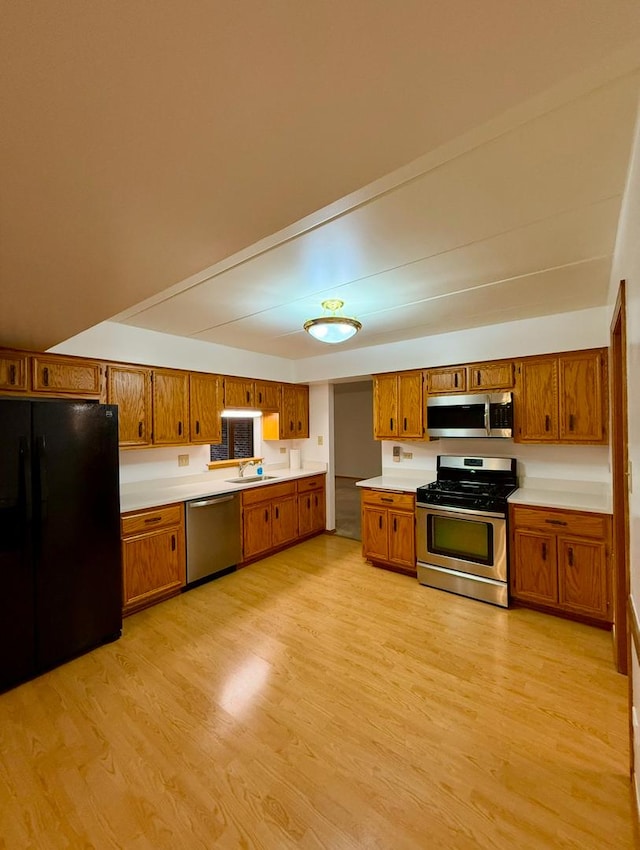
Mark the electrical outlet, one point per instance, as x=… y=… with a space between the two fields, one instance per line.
x=283 y=450
x=396 y=454
x=320 y=440
x=407 y=455
x=183 y=460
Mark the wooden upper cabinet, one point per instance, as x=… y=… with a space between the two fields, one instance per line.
x=398 y=403
x=13 y=371
x=56 y=375
x=301 y=392
x=267 y=395
x=563 y=398
x=410 y=405
x=385 y=406
x=453 y=379
x=491 y=376
x=582 y=393
x=170 y=407
x=238 y=392
x=537 y=402
x=130 y=388
x=205 y=407
x=291 y=422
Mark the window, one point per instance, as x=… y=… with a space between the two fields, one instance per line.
x=237 y=440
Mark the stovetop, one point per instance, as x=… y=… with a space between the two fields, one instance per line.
x=473 y=483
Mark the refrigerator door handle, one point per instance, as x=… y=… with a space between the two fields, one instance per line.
x=43 y=493
x=24 y=484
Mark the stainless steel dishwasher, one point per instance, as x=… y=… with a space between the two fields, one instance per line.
x=213 y=536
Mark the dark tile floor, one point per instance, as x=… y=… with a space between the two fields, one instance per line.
x=347 y=508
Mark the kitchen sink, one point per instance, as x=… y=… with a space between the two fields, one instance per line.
x=248 y=478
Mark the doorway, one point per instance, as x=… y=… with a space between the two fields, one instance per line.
x=620 y=473
x=356 y=454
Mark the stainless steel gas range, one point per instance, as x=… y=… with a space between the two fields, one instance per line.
x=461 y=531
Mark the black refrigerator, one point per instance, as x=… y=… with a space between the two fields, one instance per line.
x=60 y=558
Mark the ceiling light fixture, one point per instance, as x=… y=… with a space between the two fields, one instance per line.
x=332 y=328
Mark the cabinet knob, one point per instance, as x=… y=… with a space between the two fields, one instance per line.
x=139 y=429
x=571 y=421
x=45 y=376
x=570 y=556
x=197 y=426
x=379 y=522
x=395 y=524
x=173 y=543
x=547 y=422
x=12 y=374
x=405 y=423
x=455 y=380
x=544 y=551
x=179 y=429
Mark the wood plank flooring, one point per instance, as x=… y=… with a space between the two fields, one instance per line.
x=313 y=701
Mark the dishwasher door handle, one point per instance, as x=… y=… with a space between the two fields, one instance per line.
x=207 y=502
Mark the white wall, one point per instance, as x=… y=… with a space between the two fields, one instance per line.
x=112 y=341
x=544 y=335
x=357 y=454
x=149 y=464
x=565 y=463
x=627 y=266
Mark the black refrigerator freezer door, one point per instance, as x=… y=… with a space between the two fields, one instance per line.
x=76 y=540
x=17 y=647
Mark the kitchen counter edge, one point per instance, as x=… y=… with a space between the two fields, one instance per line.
x=152 y=494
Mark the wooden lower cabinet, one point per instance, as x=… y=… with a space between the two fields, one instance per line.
x=269 y=518
x=153 y=556
x=388 y=529
x=560 y=561
x=311 y=505
x=278 y=515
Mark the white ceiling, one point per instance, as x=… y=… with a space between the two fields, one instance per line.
x=458 y=165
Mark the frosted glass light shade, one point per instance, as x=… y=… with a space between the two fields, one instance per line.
x=332 y=329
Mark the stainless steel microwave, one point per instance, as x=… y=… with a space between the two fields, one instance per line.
x=475 y=415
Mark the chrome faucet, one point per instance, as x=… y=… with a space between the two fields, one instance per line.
x=243 y=465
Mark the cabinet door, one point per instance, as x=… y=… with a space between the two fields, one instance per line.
x=534 y=568
x=318 y=519
x=288 y=412
x=302 y=412
x=284 y=520
x=491 y=376
x=59 y=375
x=204 y=408
x=130 y=389
x=153 y=566
x=256 y=529
x=450 y=380
x=410 y=405
x=402 y=539
x=581 y=397
x=311 y=512
x=375 y=544
x=385 y=406
x=238 y=392
x=267 y=395
x=170 y=407
x=537 y=411
x=582 y=576
x=13 y=371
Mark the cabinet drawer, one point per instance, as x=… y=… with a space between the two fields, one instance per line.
x=141 y=521
x=562 y=522
x=314 y=482
x=268 y=492
x=388 y=499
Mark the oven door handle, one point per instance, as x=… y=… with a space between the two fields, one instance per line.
x=445 y=510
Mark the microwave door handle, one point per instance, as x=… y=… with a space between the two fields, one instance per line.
x=487 y=419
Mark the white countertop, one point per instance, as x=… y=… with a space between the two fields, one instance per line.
x=163 y=491
x=591 y=496
x=406 y=482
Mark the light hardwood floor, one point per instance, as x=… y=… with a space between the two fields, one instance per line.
x=313 y=701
